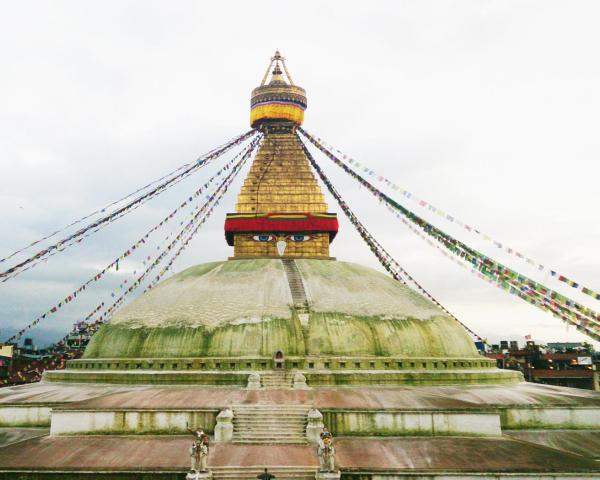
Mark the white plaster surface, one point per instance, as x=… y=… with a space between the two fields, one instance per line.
x=552 y=417
x=130 y=421
x=24 y=415
x=356 y=290
x=422 y=422
x=246 y=291
x=223 y=294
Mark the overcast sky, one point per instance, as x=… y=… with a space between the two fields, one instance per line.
x=487 y=109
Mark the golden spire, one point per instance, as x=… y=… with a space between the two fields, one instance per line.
x=280 y=211
x=279 y=99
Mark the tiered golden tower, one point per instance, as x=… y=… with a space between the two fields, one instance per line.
x=281 y=211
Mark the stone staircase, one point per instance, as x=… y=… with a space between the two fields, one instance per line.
x=269 y=424
x=247 y=473
x=277 y=379
x=296 y=285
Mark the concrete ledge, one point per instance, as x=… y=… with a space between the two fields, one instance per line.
x=131 y=421
x=252 y=363
x=533 y=417
x=25 y=415
x=402 y=422
x=414 y=377
x=315 y=378
x=147 y=377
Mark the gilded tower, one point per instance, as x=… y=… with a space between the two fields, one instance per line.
x=280 y=211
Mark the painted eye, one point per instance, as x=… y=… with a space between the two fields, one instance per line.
x=262 y=238
x=299 y=238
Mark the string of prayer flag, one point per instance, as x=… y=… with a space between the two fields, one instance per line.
x=585 y=319
x=62 y=244
x=451 y=218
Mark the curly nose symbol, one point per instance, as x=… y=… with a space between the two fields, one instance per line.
x=281 y=247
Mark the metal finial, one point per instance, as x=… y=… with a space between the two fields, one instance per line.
x=277 y=59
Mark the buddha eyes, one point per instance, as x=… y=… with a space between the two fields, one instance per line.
x=299 y=238
x=291 y=238
x=263 y=238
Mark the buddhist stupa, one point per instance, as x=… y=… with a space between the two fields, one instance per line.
x=281 y=292
x=264 y=349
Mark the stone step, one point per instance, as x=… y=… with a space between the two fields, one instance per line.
x=266 y=435
x=268 y=441
x=247 y=473
x=253 y=476
x=294 y=281
x=277 y=384
x=264 y=421
x=283 y=418
x=270 y=424
x=270 y=411
x=280 y=412
x=280 y=425
x=252 y=429
x=275 y=437
x=279 y=432
x=269 y=438
x=268 y=416
x=300 y=420
x=263 y=413
x=273 y=434
x=271 y=408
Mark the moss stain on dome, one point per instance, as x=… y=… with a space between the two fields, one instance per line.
x=244 y=307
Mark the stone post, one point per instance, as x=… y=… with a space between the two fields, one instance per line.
x=224 y=427
x=300 y=381
x=314 y=426
x=253 y=381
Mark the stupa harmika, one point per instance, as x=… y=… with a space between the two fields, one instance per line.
x=264 y=348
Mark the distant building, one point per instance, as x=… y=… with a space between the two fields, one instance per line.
x=560 y=363
x=79 y=336
x=30 y=351
x=556 y=347
x=6 y=361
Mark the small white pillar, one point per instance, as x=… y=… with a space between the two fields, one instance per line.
x=253 y=381
x=314 y=426
x=224 y=427
x=300 y=381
